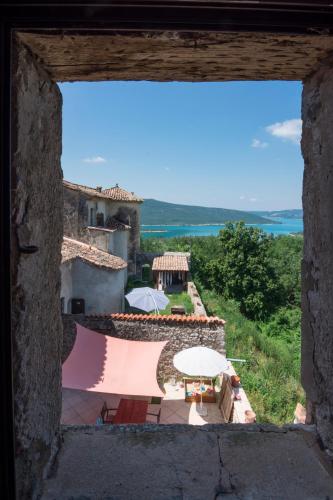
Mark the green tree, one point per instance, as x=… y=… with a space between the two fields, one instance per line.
x=242 y=270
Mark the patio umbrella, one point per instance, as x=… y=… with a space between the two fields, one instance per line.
x=147 y=299
x=200 y=362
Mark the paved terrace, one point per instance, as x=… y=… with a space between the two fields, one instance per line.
x=191 y=463
x=83 y=407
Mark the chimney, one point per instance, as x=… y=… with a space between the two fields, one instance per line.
x=99 y=189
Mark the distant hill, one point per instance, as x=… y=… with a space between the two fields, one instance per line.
x=296 y=213
x=154 y=212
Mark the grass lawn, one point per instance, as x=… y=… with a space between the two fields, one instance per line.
x=178 y=299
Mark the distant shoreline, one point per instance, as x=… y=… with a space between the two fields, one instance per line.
x=206 y=224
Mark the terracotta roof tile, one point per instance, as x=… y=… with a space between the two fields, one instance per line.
x=167 y=319
x=114 y=193
x=170 y=263
x=119 y=194
x=73 y=249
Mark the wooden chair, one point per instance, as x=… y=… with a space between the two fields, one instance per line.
x=106 y=414
x=157 y=415
x=226 y=403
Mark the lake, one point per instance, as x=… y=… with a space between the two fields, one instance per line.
x=286 y=226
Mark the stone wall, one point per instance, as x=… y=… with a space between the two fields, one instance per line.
x=37 y=205
x=317 y=271
x=75 y=214
x=199 y=308
x=180 y=334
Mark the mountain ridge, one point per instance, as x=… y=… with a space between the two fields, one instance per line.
x=155 y=212
x=294 y=213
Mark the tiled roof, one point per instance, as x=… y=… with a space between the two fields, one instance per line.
x=73 y=249
x=115 y=193
x=170 y=263
x=118 y=194
x=84 y=189
x=167 y=319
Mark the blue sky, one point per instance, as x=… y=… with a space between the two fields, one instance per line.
x=232 y=145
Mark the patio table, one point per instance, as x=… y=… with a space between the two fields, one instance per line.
x=131 y=411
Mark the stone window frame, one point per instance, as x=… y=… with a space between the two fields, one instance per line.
x=45 y=14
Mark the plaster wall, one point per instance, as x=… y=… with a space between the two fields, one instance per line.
x=37 y=219
x=119 y=244
x=66 y=285
x=102 y=290
x=317 y=266
x=98 y=238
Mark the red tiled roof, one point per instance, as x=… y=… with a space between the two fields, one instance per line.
x=73 y=249
x=167 y=318
x=115 y=193
x=118 y=194
x=170 y=263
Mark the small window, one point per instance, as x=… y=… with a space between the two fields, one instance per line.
x=78 y=306
x=100 y=219
x=91 y=216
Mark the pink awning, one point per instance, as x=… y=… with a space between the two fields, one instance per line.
x=101 y=363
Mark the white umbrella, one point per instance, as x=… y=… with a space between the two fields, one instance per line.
x=200 y=362
x=147 y=299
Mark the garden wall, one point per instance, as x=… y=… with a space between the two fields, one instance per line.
x=181 y=333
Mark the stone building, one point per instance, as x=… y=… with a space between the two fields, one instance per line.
x=92 y=280
x=170 y=271
x=108 y=219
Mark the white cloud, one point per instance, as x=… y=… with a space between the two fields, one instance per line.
x=289 y=130
x=94 y=159
x=242 y=197
x=167 y=169
x=253 y=200
x=256 y=143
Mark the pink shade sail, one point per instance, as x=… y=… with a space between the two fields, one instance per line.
x=101 y=363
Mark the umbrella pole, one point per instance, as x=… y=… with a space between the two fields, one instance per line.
x=202 y=411
x=156 y=308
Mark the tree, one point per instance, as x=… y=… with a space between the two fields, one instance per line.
x=242 y=270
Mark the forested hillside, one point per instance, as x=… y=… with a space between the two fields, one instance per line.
x=154 y=212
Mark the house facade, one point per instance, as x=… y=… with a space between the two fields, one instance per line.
x=92 y=280
x=108 y=219
x=171 y=271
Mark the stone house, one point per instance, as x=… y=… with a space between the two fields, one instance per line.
x=170 y=271
x=92 y=280
x=108 y=219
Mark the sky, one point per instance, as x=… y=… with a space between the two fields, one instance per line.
x=231 y=145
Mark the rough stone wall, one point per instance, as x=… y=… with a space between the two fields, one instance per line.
x=199 y=308
x=128 y=213
x=317 y=272
x=105 y=326
x=180 y=336
x=37 y=207
x=75 y=213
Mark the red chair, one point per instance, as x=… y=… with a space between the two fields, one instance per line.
x=106 y=415
x=157 y=415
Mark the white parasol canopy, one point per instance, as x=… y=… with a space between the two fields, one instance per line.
x=200 y=362
x=147 y=299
